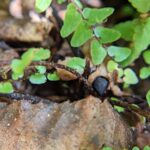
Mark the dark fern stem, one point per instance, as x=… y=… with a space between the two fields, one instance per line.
x=19 y=96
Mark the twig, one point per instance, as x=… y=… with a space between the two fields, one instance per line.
x=134 y=99
x=138 y=98
x=50 y=65
x=19 y=96
x=131 y=108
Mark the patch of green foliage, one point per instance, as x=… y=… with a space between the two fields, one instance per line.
x=137 y=148
x=88 y=27
x=6 y=87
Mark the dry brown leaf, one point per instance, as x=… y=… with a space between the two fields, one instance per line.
x=64 y=74
x=82 y=125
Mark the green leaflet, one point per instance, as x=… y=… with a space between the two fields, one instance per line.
x=41 y=54
x=111 y=66
x=6 y=87
x=42 y=5
x=130 y=76
x=35 y=54
x=146 y=56
x=76 y=63
x=141 y=40
x=107 y=35
x=37 y=78
x=28 y=56
x=94 y=15
x=147 y=147
x=82 y=34
x=127 y=29
x=53 y=76
x=144 y=72
x=16 y=76
x=41 y=69
x=119 y=53
x=98 y=53
x=119 y=109
x=135 y=148
x=142 y=6
x=17 y=66
x=141 y=34
x=106 y=148
x=72 y=20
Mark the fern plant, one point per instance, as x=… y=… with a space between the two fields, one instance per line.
x=86 y=25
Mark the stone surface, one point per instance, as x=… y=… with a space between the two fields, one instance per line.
x=86 y=124
x=23 y=30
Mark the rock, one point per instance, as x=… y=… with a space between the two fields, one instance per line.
x=100 y=85
x=23 y=30
x=87 y=124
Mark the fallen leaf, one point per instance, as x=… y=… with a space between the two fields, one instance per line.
x=85 y=124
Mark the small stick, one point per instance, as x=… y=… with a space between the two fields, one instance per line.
x=50 y=65
x=131 y=108
x=19 y=96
